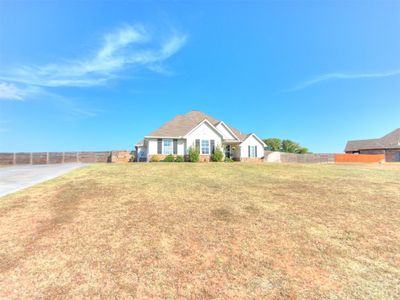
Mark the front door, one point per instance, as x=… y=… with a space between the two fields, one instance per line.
x=228 y=151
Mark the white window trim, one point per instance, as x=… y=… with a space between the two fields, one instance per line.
x=171 y=147
x=201 y=147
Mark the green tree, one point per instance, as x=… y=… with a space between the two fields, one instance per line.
x=302 y=150
x=293 y=147
x=273 y=144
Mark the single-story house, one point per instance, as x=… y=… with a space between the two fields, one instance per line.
x=196 y=129
x=388 y=145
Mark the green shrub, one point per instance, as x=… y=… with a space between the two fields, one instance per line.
x=194 y=154
x=169 y=158
x=179 y=158
x=218 y=155
x=228 y=159
x=132 y=158
x=154 y=158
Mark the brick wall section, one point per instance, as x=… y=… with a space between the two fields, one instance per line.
x=392 y=155
x=121 y=156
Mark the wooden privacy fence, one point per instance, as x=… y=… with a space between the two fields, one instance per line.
x=42 y=158
x=315 y=158
x=359 y=158
x=322 y=158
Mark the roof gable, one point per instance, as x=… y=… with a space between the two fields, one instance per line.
x=256 y=137
x=205 y=121
x=181 y=125
x=226 y=131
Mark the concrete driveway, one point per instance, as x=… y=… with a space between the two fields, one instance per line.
x=15 y=178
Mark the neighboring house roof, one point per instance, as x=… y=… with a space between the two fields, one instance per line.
x=183 y=124
x=389 y=141
x=140 y=143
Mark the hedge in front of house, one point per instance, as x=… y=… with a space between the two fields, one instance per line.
x=169 y=158
x=179 y=158
x=194 y=154
x=217 y=155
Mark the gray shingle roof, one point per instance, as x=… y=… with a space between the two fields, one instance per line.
x=182 y=124
x=389 y=141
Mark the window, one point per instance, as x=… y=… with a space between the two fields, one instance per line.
x=252 y=152
x=167 y=147
x=205 y=147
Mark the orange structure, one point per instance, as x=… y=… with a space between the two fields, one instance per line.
x=359 y=158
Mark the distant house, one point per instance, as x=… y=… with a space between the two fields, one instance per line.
x=196 y=129
x=388 y=145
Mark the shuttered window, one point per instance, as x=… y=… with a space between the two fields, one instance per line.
x=159 y=146
x=212 y=146
x=175 y=146
x=198 y=144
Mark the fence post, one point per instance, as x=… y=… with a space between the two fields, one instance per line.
x=47 y=158
x=31 y=158
x=63 y=158
x=14 y=158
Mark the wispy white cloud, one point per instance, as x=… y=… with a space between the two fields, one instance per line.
x=127 y=47
x=332 y=76
x=9 y=91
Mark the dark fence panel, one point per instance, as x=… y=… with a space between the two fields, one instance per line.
x=313 y=158
x=56 y=157
x=39 y=158
x=6 y=158
x=22 y=158
x=70 y=157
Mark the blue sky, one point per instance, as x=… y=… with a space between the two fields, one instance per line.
x=99 y=75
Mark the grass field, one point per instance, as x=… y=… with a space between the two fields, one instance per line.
x=202 y=231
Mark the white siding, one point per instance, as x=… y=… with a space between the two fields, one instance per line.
x=251 y=141
x=181 y=147
x=203 y=132
x=227 y=135
x=152 y=146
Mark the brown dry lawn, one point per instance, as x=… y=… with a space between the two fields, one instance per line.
x=205 y=231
